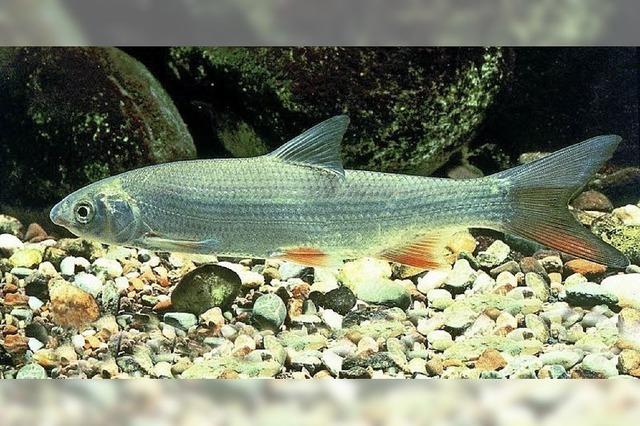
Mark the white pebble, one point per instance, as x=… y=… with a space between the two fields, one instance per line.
x=332 y=319
x=629 y=215
x=89 y=283
x=35 y=344
x=432 y=280
x=10 y=243
x=68 y=266
x=439 y=298
x=111 y=267
x=122 y=283
x=439 y=340
x=78 y=342
x=332 y=361
x=35 y=303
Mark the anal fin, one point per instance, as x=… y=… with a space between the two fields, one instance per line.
x=308 y=256
x=431 y=250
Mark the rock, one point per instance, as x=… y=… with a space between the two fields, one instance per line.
x=36 y=285
x=629 y=328
x=111 y=268
x=439 y=299
x=183 y=320
x=363 y=270
x=538 y=285
x=375 y=361
x=460 y=277
x=31 y=371
x=624 y=238
x=597 y=366
x=490 y=360
x=553 y=372
x=629 y=362
x=511 y=266
x=625 y=288
x=592 y=200
x=26 y=258
x=432 y=280
x=629 y=215
x=418 y=366
x=110 y=298
x=567 y=358
x=588 y=295
x=332 y=319
x=552 y=264
x=9 y=243
x=333 y=362
x=404 y=134
x=340 y=300
x=589 y=270
x=494 y=255
x=269 y=312
x=35 y=233
x=292 y=270
x=92 y=106
x=71 y=306
x=89 y=283
x=206 y=287
x=11 y=225
x=439 y=340
x=383 y=292
x=213 y=318
x=537 y=326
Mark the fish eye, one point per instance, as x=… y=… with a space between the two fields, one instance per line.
x=84 y=212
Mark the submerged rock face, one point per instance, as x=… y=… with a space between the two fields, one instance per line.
x=73 y=116
x=410 y=109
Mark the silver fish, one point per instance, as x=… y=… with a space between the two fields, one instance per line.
x=298 y=203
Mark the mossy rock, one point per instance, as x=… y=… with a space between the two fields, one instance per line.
x=624 y=238
x=206 y=287
x=72 y=116
x=410 y=109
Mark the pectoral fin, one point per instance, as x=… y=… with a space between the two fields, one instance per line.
x=307 y=256
x=432 y=250
x=156 y=242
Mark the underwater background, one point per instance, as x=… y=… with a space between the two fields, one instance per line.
x=506 y=308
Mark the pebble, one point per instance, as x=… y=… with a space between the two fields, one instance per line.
x=589 y=270
x=494 y=255
x=9 y=244
x=629 y=215
x=183 y=320
x=461 y=276
x=625 y=288
x=490 y=360
x=26 y=258
x=439 y=299
x=439 y=340
x=598 y=366
x=383 y=291
x=332 y=319
x=593 y=201
x=589 y=294
x=269 y=312
x=89 y=283
x=31 y=371
x=432 y=280
x=340 y=300
x=110 y=267
x=206 y=287
x=567 y=358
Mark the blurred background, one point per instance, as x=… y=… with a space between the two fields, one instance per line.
x=333 y=22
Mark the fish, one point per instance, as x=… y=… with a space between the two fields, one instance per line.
x=298 y=203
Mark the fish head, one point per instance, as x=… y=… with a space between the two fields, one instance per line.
x=102 y=212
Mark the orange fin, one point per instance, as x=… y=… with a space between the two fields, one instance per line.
x=308 y=256
x=429 y=251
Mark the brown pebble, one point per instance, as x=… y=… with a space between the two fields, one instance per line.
x=301 y=291
x=490 y=360
x=9 y=329
x=13 y=299
x=71 y=306
x=492 y=313
x=10 y=288
x=434 y=367
x=15 y=343
x=35 y=233
x=593 y=201
x=584 y=267
x=162 y=305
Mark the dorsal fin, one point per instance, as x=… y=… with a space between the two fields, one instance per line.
x=317 y=147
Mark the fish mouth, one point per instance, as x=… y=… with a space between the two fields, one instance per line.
x=56 y=216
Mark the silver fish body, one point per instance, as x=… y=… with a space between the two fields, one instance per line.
x=299 y=203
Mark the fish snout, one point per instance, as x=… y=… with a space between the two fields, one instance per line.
x=56 y=215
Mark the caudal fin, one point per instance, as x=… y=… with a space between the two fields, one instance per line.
x=539 y=194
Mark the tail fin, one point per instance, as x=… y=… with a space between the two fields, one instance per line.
x=539 y=194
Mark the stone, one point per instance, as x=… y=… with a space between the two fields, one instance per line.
x=552 y=264
x=9 y=243
x=36 y=285
x=625 y=288
x=567 y=358
x=269 y=312
x=629 y=215
x=89 y=283
x=597 y=366
x=71 y=306
x=537 y=326
x=592 y=200
x=494 y=255
x=439 y=340
x=26 y=258
x=490 y=360
x=586 y=268
x=511 y=266
x=95 y=103
x=183 y=320
x=110 y=298
x=35 y=233
x=395 y=132
x=418 y=366
x=11 y=225
x=383 y=292
x=439 y=299
x=540 y=288
x=629 y=362
x=111 y=268
x=552 y=372
x=363 y=270
x=340 y=300
x=460 y=277
x=332 y=319
x=629 y=328
x=588 y=295
x=206 y=287
x=31 y=371
x=432 y=279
